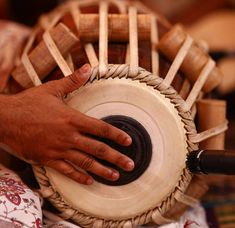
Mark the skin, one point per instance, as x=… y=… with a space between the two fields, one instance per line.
x=42 y=130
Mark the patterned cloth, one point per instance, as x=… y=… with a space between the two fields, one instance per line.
x=193 y=218
x=20 y=207
x=18 y=204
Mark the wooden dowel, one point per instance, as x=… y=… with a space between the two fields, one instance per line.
x=198 y=85
x=211 y=113
x=118 y=29
x=227 y=66
x=41 y=58
x=185 y=89
x=194 y=61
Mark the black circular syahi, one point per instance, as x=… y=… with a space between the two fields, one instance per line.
x=140 y=151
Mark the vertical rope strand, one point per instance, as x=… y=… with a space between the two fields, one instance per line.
x=91 y=55
x=103 y=38
x=133 y=37
x=184 y=91
x=30 y=42
x=70 y=63
x=59 y=59
x=154 y=41
x=127 y=58
x=75 y=13
x=194 y=106
x=175 y=66
x=30 y=70
x=27 y=63
x=89 y=49
x=199 y=83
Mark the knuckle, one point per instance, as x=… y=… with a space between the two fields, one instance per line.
x=80 y=121
x=119 y=160
x=54 y=88
x=49 y=85
x=82 y=179
x=87 y=145
x=120 y=137
x=106 y=130
x=68 y=119
x=73 y=79
x=87 y=163
x=77 y=176
x=69 y=171
x=75 y=138
x=101 y=151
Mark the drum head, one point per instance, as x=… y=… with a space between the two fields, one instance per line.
x=153 y=108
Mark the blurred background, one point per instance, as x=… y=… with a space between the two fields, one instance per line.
x=212 y=22
x=184 y=11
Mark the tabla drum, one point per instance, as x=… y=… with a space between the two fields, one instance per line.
x=147 y=78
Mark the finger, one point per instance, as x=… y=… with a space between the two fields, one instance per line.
x=102 y=129
x=103 y=151
x=88 y=163
x=69 y=171
x=72 y=82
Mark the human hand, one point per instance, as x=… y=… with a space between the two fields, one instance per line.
x=43 y=130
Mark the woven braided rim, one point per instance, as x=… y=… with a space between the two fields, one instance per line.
x=143 y=76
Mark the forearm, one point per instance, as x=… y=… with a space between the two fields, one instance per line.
x=8 y=123
x=4 y=156
x=3 y=116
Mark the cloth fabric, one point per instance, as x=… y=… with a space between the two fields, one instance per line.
x=20 y=207
x=193 y=218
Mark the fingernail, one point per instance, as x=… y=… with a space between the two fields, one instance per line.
x=115 y=176
x=112 y=174
x=85 y=69
x=89 y=181
x=130 y=165
x=127 y=141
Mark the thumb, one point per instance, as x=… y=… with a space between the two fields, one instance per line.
x=73 y=81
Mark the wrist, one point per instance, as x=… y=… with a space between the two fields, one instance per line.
x=5 y=113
